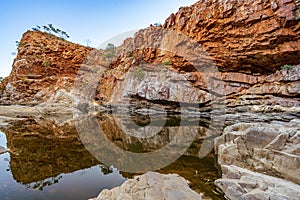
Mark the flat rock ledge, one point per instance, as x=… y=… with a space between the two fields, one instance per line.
x=260 y=160
x=240 y=183
x=149 y=186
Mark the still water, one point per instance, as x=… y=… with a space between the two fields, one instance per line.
x=49 y=161
x=79 y=184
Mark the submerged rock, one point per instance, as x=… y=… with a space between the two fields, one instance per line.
x=3 y=150
x=151 y=185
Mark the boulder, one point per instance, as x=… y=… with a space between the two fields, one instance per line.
x=151 y=185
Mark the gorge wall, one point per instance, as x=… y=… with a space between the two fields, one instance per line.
x=249 y=42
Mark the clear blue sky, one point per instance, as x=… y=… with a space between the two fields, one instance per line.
x=96 y=20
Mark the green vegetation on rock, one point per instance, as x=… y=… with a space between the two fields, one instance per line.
x=287 y=67
x=167 y=62
x=20 y=44
x=46 y=63
x=109 y=51
x=138 y=73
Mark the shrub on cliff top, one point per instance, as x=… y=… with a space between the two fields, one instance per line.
x=20 y=44
x=110 y=51
x=53 y=31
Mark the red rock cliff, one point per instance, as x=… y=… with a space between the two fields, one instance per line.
x=44 y=64
x=257 y=36
x=247 y=40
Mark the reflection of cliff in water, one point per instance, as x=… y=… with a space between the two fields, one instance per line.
x=140 y=134
x=42 y=149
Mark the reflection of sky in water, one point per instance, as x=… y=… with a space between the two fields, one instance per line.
x=81 y=184
x=2 y=140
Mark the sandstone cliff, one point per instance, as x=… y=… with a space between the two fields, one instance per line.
x=44 y=64
x=246 y=41
x=250 y=42
x=256 y=36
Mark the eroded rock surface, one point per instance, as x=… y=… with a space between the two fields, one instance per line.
x=45 y=65
x=239 y=183
x=249 y=35
x=262 y=147
x=203 y=91
x=260 y=160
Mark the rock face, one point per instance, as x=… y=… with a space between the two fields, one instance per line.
x=240 y=38
x=239 y=183
x=248 y=150
x=44 y=65
x=151 y=185
x=257 y=36
x=250 y=43
x=262 y=147
x=235 y=90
